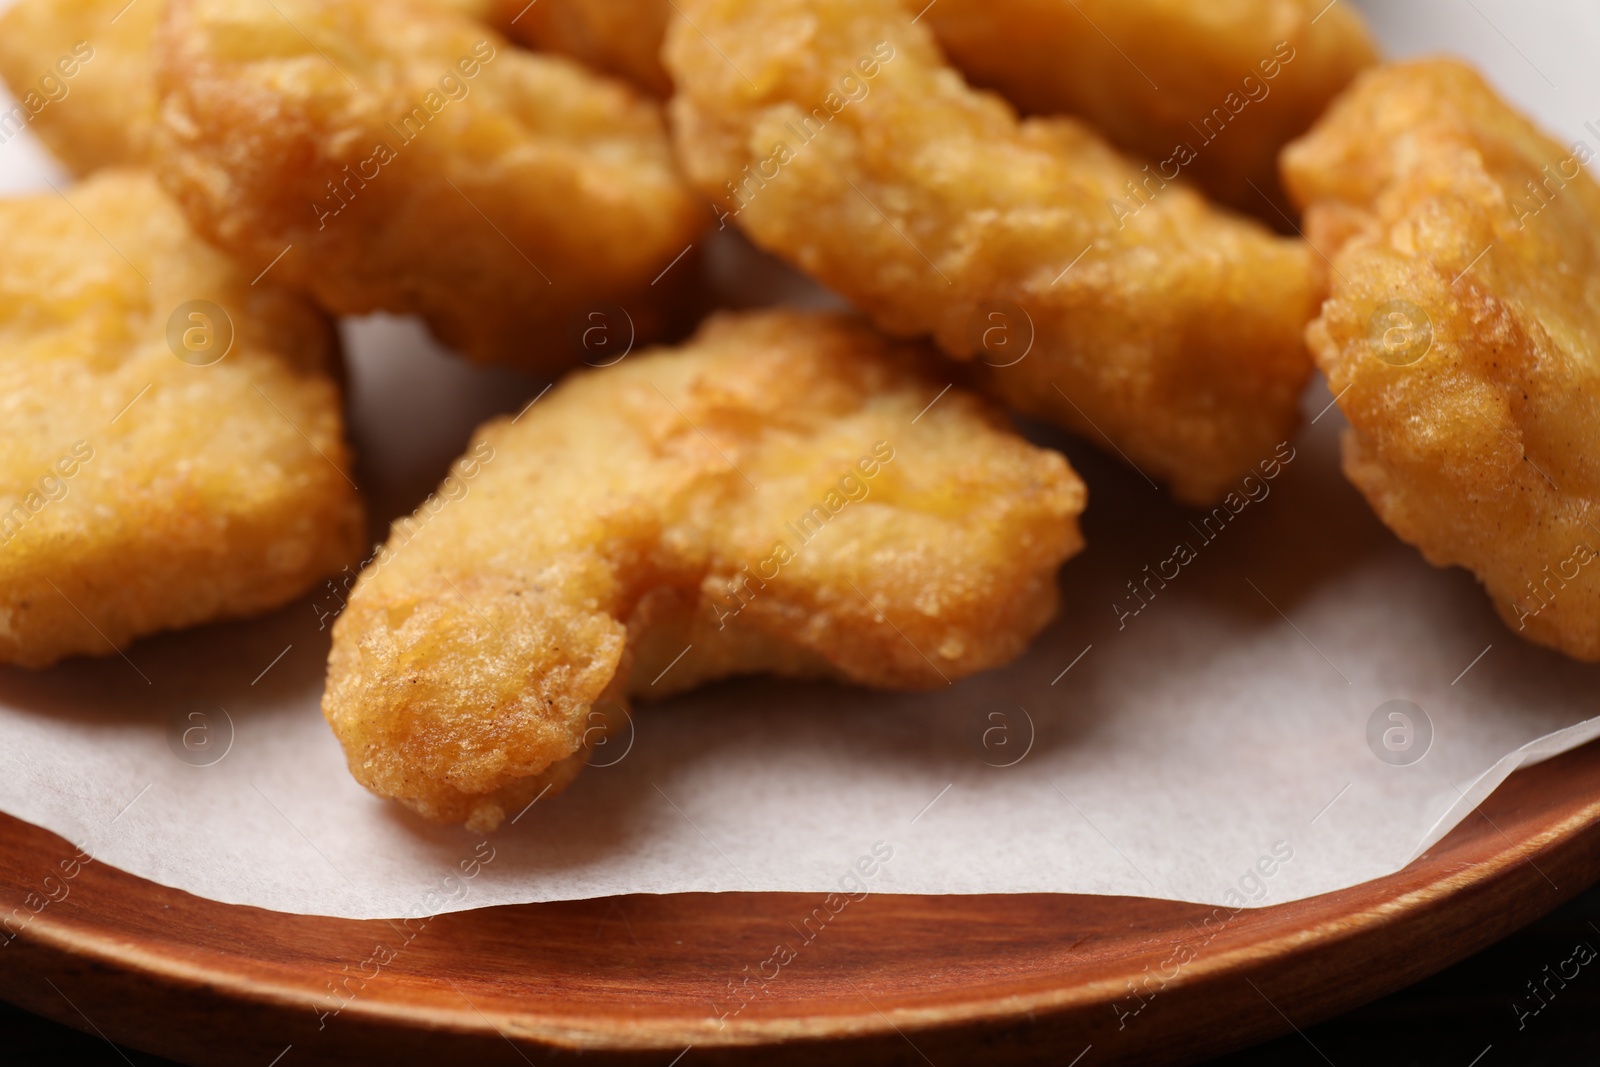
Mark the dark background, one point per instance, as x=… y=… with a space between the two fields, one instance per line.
x=1462 y=1017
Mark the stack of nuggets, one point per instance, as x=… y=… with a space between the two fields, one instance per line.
x=787 y=493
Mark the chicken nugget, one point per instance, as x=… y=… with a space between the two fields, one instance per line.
x=620 y=37
x=100 y=53
x=787 y=493
x=80 y=71
x=174 y=446
x=404 y=157
x=1218 y=66
x=1210 y=90
x=1462 y=336
x=1097 y=295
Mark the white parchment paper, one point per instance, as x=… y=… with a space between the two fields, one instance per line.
x=1211 y=746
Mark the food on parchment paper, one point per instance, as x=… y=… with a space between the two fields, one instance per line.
x=80 y=73
x=174 y=446
x=833 y=133
x=787 y=493
x=405 y=157
x=1209 y=92
x=1462 y=337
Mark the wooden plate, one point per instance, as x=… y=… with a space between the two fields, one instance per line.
x=892 y=979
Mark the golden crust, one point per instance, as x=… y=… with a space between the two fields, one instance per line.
x=103 y=51
x=1234 y=80
x=1173 y=329
x=87 y=75
x=417 y=162
x=1462 y=335
x=640 y=509
x=620 y=37
x=139 y=492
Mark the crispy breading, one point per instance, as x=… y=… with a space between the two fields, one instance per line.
x=620 y=37
x=80 y=70
x=1218 y=64
x=782 y=493
x=1233 y=80
x=102 y=51
x=835 y=135
x=1462 y=335
x=405 y=157
x=139 y=491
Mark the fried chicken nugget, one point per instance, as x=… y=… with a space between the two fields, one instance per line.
x=1210 y=90
x=80 y=71
x=778 y=493
x=100 y=53
x=174 y=447
x=404 y=157
x=620 y=37
x=1462 y=336
x=1238 y=79
x=835 y=136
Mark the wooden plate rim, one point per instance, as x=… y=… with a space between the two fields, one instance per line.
x=1374 y=910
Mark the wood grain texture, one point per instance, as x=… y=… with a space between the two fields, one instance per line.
x=893 y=979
